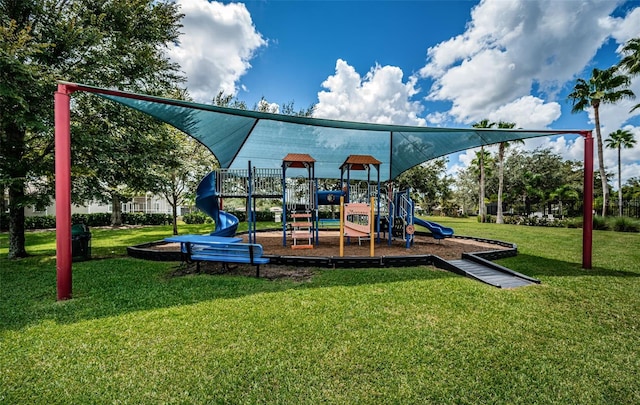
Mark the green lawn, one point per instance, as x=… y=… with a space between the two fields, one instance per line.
x=132 y=334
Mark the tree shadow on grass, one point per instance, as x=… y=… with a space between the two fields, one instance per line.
x=536 y=266
x=113 y=287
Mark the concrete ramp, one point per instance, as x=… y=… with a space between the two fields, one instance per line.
x=488 y=272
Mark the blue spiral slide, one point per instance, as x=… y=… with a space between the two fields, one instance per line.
x=207 y=202
x=438 y=231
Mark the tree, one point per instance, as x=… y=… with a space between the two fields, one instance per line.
x=117 y=44
x=617 y=140
x=429 y=180
x=264 y=106
x=482 y=210
x=564 y=193
x=483 y=167
x=631 y=61
x=501 y=148
x=289 y=109
x=191 y=162
x=605 y=86
x=631 y=189
x=532 y=176
x=24 y=113
x=117 y=153
x=228 y=100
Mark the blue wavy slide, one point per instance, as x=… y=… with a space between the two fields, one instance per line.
x=207 y=202
x=438 y=231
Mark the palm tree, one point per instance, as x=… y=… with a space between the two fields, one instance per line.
x=564 y=193
x=501 y=148
x=631 y=61
x=617 y=140
x=482 y=211
x=482 y=164
x=605 y=86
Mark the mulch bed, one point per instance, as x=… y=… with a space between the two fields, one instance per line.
x=329 y=245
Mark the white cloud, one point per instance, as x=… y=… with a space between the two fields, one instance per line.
x=569 y=147
x=437 y=118
x=217 y=44
x=527 y=112
x=265 y=106
x=628 y=171
x=623 y=29
x=510 y=47
x=380 y=96
x=467 y=156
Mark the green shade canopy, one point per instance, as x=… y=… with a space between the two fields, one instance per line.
x=238 y=136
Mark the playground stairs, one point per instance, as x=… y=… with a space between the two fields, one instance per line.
x=302 y=231
x=488 y=272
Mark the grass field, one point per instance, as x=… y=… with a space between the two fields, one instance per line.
x=132 y=334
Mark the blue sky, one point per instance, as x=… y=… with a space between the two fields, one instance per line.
x=434 y=63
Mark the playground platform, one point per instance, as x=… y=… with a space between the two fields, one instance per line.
x=466 y=256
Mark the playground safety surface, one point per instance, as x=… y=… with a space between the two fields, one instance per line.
x=466 y=256
x=329 y=247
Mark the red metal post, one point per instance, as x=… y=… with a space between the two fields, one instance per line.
x=587 y=212
x=62 y=100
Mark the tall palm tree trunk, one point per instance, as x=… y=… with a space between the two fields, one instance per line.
x=603 y=174
x=619 y=183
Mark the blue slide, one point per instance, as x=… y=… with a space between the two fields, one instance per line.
x=207 y=201
x=438 y=231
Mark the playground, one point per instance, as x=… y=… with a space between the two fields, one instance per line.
x=372 y=216
x=263 y=155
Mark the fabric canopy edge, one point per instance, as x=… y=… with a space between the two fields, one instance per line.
x=320 y=122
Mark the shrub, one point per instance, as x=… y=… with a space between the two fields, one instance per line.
x=95 y=219
x=573 y=222
x=264 y=216
x=241 y=215
x=626 y=224
x=140 y=218
x=40 y=222
x=195 y=218
x=158 y=219
x=133 y=218
x=129 y=218
x=600 y=223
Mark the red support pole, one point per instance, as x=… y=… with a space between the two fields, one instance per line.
x=587 y=212
x=62 y=100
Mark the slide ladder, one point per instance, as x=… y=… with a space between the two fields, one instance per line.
x=301 y=230
x=207 y=202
